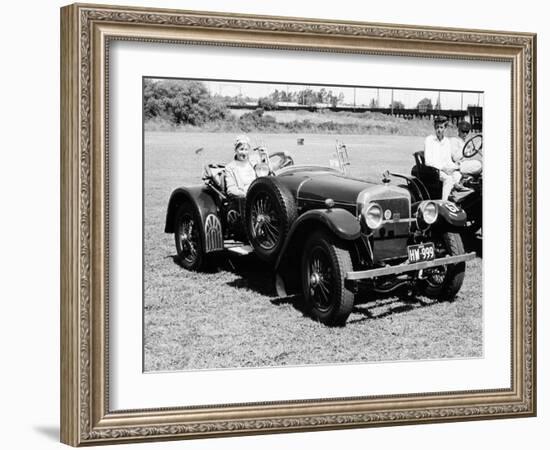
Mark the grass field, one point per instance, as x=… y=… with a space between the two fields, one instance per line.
x=233 y=318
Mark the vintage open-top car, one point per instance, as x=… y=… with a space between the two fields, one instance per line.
x=425 y=183
x=325 y=233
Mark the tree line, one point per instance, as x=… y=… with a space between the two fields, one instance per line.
x=189 y=102
x=182 y=102
x=306 y=97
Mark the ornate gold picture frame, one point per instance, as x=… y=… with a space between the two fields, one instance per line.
x=87 y=32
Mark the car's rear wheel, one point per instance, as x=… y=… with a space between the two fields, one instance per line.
x=270 y=211
x=444 y=282
x=325 y=262
x=190 y=253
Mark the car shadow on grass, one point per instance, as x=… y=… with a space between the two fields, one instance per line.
x=375 y=307
x=256 y=275
x=252 y=274
x=177 y=261
x=379 y=306
x=369 y=305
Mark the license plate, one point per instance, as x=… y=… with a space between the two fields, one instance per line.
x=421 y=252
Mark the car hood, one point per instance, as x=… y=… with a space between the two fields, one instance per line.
x=343 y=190
x=316 y=184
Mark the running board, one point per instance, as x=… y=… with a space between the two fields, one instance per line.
x=402 y=268
x=242 y=250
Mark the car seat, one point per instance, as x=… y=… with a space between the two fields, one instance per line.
x=215 y=174
x=428 y=175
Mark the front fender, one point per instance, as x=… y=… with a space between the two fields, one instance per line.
x=449 y=213
x=339 y=221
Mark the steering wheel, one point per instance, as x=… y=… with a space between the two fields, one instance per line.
x=473 y=146
x=279 y=160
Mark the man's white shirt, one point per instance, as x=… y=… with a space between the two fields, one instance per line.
x=438 y=153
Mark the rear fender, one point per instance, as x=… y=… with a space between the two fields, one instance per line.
x=202 y=200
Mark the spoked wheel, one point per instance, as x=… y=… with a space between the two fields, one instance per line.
x=188 y=239
x=436 y=277
x=325 y=262
x=270 y=211
x=320 y=279
x=266 y=227
x=444 y=282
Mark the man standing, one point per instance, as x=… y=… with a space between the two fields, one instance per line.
x=438 y=154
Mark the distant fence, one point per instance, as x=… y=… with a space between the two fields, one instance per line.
x=473 y=114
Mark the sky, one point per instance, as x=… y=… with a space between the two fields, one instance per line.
x=359 y=96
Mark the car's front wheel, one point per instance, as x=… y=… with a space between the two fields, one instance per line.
x=189 y=246
x=444 y=282
x=325 y=262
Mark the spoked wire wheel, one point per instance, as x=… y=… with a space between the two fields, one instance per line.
x=325 y=264
x=270 y=211
x=321 y=282
x=188 y=239
x=444 y=282
x=435 y=277
x=266 y=227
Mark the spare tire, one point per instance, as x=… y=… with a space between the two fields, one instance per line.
x=269 y=213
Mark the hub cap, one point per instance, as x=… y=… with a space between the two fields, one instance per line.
x=188 y=239
x=265 y=224
x=436 y=275
x=320 y=278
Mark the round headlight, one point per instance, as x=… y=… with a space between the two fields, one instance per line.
x=426 y=215
x=261 y=169
x=373 y=215
x=429 y=212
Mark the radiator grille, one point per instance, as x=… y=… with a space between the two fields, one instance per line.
x=390 y=240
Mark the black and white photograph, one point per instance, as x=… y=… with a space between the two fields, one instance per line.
x=275 y=225
x=290 y=224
